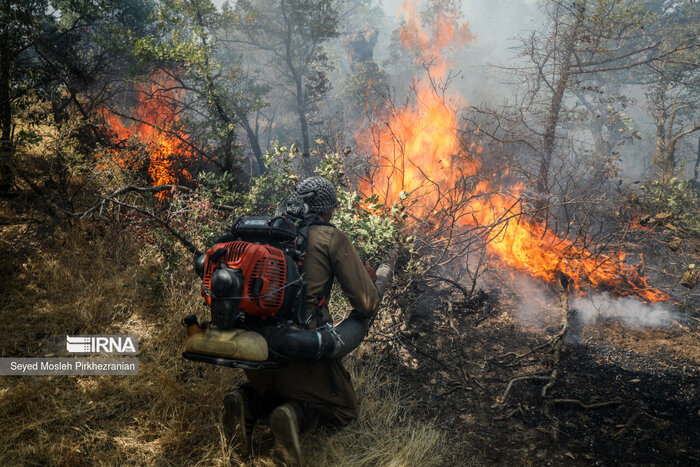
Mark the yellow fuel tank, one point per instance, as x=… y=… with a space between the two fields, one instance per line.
x=236 y=344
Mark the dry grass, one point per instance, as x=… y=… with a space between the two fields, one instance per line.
x=384 y=434
x=86 y=281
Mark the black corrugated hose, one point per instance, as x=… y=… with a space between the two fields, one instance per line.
x=328 y=341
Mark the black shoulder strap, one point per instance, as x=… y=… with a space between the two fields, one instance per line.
x=302 y=234
x=300 y=244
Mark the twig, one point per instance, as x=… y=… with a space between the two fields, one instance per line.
x=450 y=319
x=554 y=341
x=455 y=284
x=536 y=376
x=112 y=198
x=446 y=366
x=120 y=191
x=516 y=410
x=468 y=378
x=189 y=245
x=630 y=421
x=499 y=358
x=138 y=189
x=456 y=387
x=402 y=343
x=581 y=405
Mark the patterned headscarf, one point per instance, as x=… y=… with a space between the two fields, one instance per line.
x=314 y=195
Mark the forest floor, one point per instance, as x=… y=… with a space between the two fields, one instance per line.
x=430 y=377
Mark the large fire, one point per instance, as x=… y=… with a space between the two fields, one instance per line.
x=154 y=125
x=417 y=152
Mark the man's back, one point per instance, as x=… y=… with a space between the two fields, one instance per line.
x=331 y=254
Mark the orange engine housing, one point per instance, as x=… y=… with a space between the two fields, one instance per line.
x=266 y=271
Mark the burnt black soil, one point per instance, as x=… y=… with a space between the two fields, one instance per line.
x=622 y=396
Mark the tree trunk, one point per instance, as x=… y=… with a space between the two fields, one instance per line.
x=659 y=102
x=696 y=169
x=6 y=146
x=254 y=145
x=301 y=109
x=215 y=101
x=551 y=128
x=300 y=96
x=557 y=97
x=669 y=160
x=664 y=153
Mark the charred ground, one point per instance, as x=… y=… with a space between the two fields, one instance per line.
x=622 y=396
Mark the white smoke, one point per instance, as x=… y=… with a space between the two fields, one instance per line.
x=628 y=310
x=537 y=307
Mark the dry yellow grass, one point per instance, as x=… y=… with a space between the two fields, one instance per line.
x=86 y=281
x=384 y=434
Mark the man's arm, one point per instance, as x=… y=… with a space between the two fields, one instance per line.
x=353 y=276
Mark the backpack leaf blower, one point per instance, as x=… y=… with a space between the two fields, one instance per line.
x=253 y=282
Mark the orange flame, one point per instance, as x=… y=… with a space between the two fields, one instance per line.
x=155 y=126
x=417 y=152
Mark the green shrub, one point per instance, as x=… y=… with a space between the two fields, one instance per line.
x=372 y=227
x=676 y=197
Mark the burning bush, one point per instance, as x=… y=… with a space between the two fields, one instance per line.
x=153 y=139
x=416 y=153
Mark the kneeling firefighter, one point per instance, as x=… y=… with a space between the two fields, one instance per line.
x=313 y=386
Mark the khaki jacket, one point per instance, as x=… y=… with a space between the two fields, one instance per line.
x=331 y=254
x=325 y=383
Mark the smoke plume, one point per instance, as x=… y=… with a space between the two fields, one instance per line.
x=631 y=312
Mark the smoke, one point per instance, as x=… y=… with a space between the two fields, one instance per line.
x=628 y=310
x=494 y=26
x=537 y=305
x=538 y=309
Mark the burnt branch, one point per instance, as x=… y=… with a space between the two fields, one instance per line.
x=580 y=405
x=563 y=286
x=181 y=238
x=537 y=376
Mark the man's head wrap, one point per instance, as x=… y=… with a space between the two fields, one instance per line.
x=314 y=195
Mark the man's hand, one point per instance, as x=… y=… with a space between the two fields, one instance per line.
x=370 y=270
